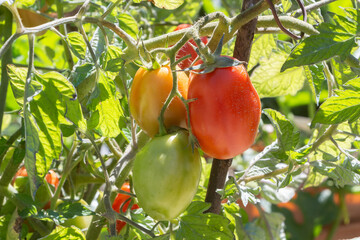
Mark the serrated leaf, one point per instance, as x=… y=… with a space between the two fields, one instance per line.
x=204 y=226
x=128 y=24
x=61 y=93
x=77 y=43
x=341 y=175
x=270 y=82
x=17 y=80
x=315 y=76
x=334 y=40
x=113 y=59
x=104 y=102
x=337 y=109
x=168 y=4
x=60 y=232
x=261 y=48
x=285 y=131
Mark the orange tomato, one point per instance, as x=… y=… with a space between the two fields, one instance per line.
x=148 y=94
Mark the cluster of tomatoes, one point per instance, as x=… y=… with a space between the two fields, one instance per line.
x=224 y=116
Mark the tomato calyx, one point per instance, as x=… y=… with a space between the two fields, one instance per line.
x=217 y=61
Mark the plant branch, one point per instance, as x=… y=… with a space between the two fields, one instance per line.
x=4 y=62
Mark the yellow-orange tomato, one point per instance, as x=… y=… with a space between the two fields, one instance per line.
x=148 y=94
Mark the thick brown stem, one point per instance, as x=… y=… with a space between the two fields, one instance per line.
x=245 y=36
x=217 y=180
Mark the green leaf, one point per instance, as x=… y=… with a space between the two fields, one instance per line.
x=60 y=232
x=17 y=80
x=197 y=207
x=341 y=71
x=337 y=109
x=342 y=176
x=276 y=223
x=251 y=231
x=25 y=3
x=274 y=194
x=315 y=76
x=81 y=73
x=285 y=131
x=104 y=102
x=334 y=40
x=286 y=5
x=113 y=59
x=354 y=84
x=77 y=43
x=270 y=82
x=61 y=93
x=204 y=226
x=4 y=221
x=128 y=24
x=168 y=4
x=32 y=147
x=261 y=48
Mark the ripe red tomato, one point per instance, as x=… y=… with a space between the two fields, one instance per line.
x=226 y=112
x=149 y=90
x=187 y=49
x=118 y=201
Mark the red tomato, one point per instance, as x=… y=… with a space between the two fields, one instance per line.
x=52 y=178
x=149 y=91
x=119 y=200
x=187 y=49
x=226 y=112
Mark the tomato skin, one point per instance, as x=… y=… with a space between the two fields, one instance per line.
x=118 y=201
x=166 y=174
x=226 y=113
x=149 y=91
x=187 y=49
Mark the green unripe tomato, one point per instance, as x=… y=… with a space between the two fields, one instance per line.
x=166 y=174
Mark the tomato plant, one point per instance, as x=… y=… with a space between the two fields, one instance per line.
x=166 y=175
x=226 y=111
x=149 y=90
x=122 y=202
x=95 y=92
x=188 y=49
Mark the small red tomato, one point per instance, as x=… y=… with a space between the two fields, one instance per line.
x=119 y=200
x=51 y=178
x=187 y=49
x=226 y=110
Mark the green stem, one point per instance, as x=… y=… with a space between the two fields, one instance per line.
x=62 y=29
x=6 y=59
x=10 y=142
x=68 y=166
x=110 y=8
